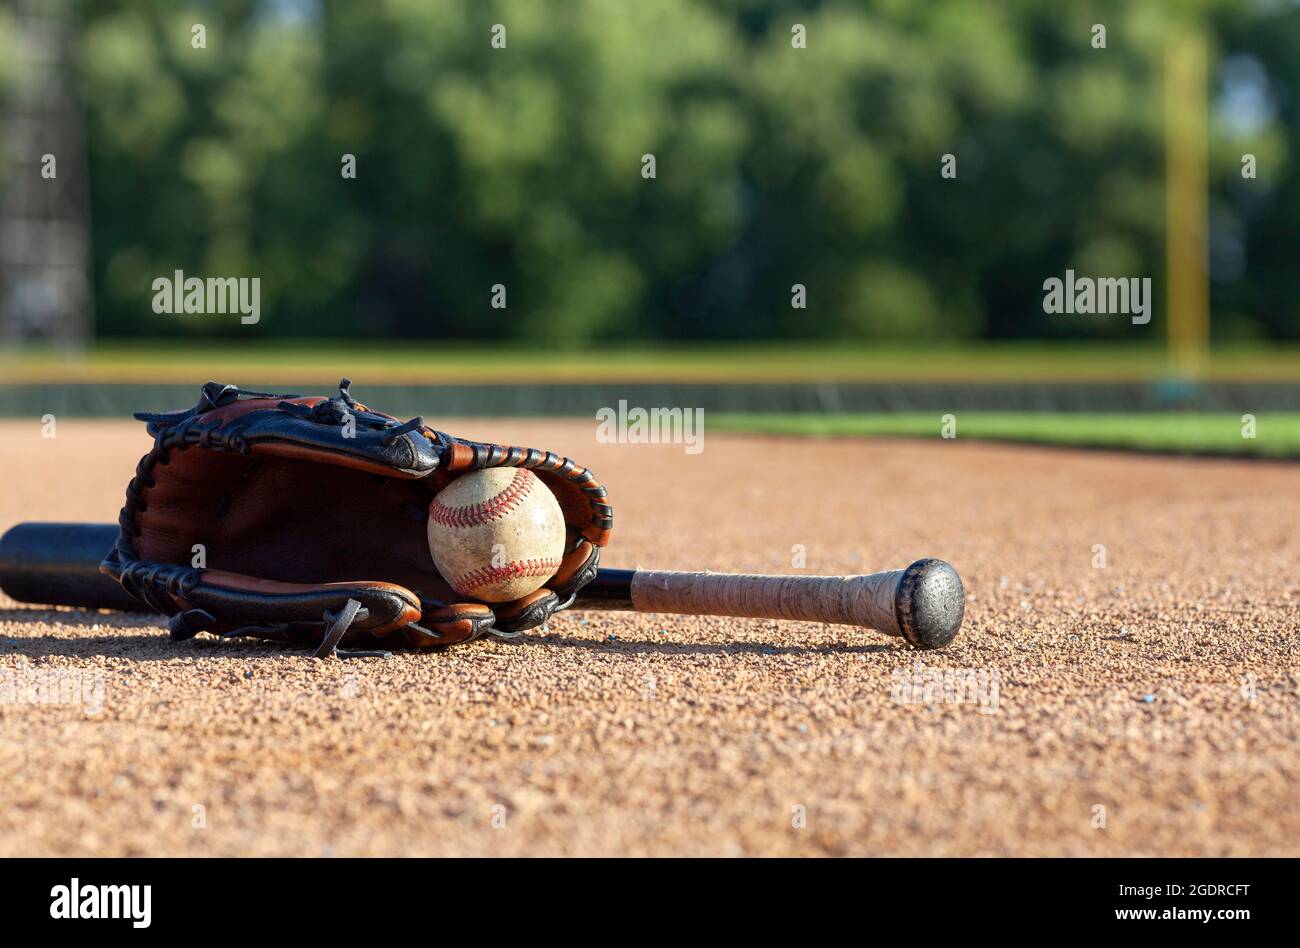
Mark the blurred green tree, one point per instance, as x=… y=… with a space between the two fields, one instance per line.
x=521 y=164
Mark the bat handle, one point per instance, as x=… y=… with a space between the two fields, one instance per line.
x=924 y=603
x=58 y=564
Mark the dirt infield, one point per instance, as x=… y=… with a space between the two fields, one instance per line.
x=1147 y=706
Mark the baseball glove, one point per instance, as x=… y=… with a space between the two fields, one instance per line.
x=304 y=520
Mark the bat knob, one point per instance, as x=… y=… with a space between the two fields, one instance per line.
x=930 y=603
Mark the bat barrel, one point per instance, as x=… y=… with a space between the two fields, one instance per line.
x=930 y=603
x=924 y=603
x=58 y=564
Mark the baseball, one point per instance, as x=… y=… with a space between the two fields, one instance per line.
x=496 y=534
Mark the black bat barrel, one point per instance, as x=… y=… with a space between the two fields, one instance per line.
x=611 y=589
x=58 y=564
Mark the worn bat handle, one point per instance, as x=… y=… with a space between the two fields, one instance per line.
x=924 y=603
x=58 y=564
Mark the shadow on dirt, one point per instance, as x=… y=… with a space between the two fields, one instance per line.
x=118 y=634
x=133 y=636
x=650 y=647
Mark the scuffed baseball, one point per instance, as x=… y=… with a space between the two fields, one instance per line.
x=496 y=534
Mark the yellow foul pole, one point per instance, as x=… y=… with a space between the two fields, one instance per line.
x=1186 y=202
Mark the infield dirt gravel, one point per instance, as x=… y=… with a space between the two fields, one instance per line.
x=1147 y=707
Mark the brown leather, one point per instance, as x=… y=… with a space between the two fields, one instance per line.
x=452 y=624
x=509 y=610
x=449 y=633
x=573 y=561
x=456 y=611
x=290 y=521
x=220 y=577
x=227 y=413
x=270 y=587
x=462 y=458
x=325 y=456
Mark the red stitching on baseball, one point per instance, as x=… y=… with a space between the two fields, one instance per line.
x=476 y=579
x=472 y=515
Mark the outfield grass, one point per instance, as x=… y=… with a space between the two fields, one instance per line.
x=1277 y=435
x=292 y=362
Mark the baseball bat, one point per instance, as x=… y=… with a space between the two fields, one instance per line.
x=58 y=564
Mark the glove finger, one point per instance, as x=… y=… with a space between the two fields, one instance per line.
x=576 y=569
x=450 y=624
x=527 y=612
